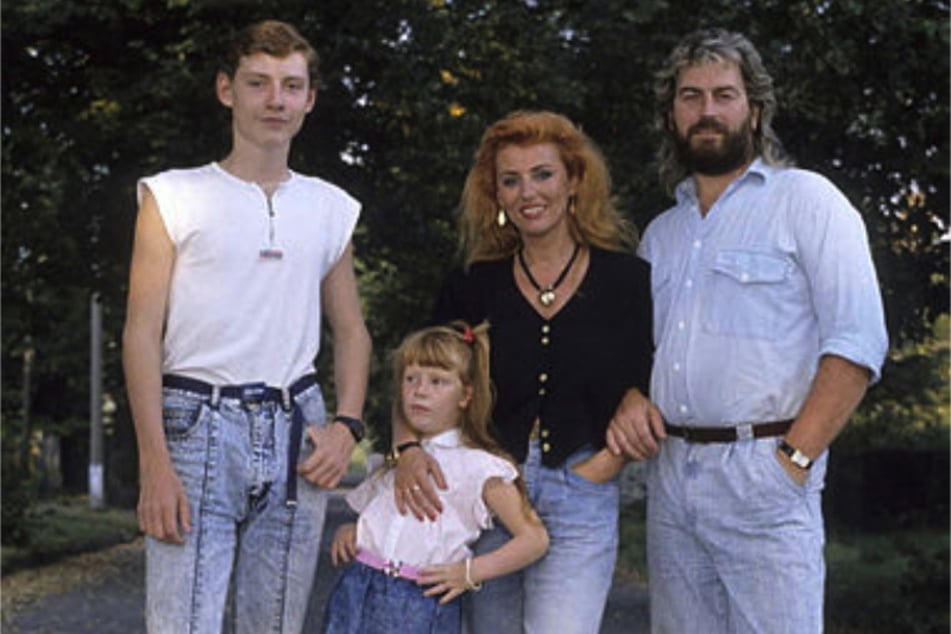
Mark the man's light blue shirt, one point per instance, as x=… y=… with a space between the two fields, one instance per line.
x=748 y=298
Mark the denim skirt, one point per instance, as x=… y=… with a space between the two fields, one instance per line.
x=368 y=601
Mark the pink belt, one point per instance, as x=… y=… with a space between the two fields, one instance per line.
x=389 y=567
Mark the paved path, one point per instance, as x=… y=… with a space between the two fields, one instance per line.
x=102 y=593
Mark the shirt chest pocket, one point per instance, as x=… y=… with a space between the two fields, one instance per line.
x=748 y=294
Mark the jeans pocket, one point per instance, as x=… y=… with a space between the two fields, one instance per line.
x=778 y=474
x=181 y=415
x=577 y=480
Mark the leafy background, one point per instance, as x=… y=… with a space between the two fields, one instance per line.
x=97 y=93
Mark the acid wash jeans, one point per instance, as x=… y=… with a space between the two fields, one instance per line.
x=566 y=590
x=734 y=545
x=232 y=459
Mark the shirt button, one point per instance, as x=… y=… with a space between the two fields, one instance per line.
x=542 y=377
x=545 y=341
x=681 y=325
x=546 y=328
x=683 y=409
x=676 y=367
x=546 y=447
x=541 y=392
x=744 y=277
x=689 y=284
x=696 y=244
x=545 y=433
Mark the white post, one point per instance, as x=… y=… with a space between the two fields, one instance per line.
x=96 y=491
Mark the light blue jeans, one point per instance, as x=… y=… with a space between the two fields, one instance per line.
x=232 y=460
x=566 y=590
x=733 y=543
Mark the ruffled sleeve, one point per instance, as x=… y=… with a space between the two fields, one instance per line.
x=488 y=466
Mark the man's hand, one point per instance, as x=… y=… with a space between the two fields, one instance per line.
x=416 y=474
x=798 y=475
x=163 y=505
x=344 y=546
x=636 y=428
x=327 y=463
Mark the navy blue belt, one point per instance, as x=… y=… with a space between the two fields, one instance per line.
x=252 y=395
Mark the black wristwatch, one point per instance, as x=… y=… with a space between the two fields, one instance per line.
x=393 y=455
x=355 y=425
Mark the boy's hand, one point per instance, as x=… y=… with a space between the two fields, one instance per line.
x=327 y=464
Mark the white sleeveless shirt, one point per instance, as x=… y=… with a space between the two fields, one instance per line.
x=234 y=316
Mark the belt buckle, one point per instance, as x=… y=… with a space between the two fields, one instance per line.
x=392 y=568
x=252 y=394
x=685 y=433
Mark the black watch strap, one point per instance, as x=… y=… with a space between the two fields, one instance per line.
x=355 y=425
x=393 y=455
x=409 y=444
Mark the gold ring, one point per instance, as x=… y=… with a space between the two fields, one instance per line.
x=416 y=487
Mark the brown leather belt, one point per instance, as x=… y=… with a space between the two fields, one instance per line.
x=729 y=434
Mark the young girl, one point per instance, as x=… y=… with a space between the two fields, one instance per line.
x=407 y=572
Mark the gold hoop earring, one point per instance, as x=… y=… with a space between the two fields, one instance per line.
x=501 y=219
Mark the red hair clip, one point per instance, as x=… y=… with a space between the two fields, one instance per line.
x=468 y=336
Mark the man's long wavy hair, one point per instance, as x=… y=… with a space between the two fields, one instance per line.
x=703 y=47
x=595 y=220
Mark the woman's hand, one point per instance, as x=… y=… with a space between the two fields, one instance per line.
x=417 y=474
x=600 y=467
x=344 y=546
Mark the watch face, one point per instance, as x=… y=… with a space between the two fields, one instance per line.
x=800 y=460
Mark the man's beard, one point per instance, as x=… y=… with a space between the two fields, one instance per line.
x=734 y=150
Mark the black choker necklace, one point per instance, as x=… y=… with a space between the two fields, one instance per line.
x=547 y=295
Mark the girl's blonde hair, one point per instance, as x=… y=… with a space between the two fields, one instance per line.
x=459 y=348
x=594 y=220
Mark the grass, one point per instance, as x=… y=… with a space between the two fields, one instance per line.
x=66 y=526
x=889 y=582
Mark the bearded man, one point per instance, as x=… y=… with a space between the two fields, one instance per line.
x=769 y=328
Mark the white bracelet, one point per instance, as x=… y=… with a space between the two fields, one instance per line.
x=471 y=585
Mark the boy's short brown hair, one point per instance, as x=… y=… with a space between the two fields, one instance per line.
x=272 y=37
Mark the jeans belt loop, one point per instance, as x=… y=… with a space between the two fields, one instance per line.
x=744 y=431
x=286 y=399
x=215 y=396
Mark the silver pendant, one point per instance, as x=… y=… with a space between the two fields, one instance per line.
x=547 y=297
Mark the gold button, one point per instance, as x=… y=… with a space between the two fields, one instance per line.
x=546 y=447
x=545 y=341
x=542 y=377
x=545 y=433
x=546 y=329
x=541 y=392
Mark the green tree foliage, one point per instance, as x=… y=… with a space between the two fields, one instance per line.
x=97 y=94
